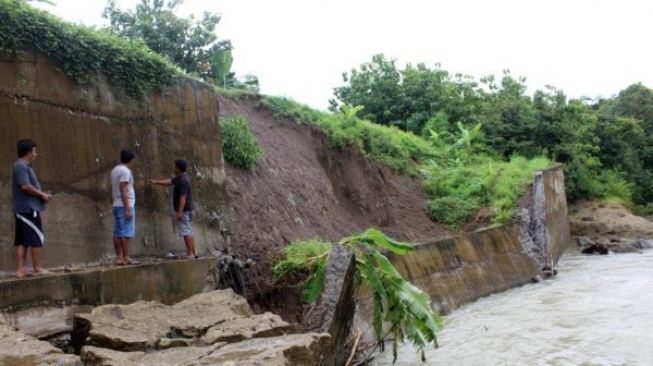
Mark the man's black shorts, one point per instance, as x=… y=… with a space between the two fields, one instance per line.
x=29 y=230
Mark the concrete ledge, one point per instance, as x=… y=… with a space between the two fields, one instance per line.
x=167 y=282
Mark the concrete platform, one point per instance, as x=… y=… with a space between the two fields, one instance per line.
x=166 y=281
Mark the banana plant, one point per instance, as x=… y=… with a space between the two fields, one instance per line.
x=350 y=114
x=466 y=140
x=401 y=311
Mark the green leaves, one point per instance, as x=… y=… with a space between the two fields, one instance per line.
x=239 y=145
x=400 y=309
x=84 y=53
x=396 y=302
x=377 y=239
x=315 y=283
x=301 y=256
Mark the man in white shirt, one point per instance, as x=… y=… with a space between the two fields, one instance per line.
x=124 y=210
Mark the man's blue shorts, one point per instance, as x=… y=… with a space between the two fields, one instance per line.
x=124 y=228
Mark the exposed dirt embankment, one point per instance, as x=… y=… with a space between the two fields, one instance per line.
x=601 y=227
x=596 y=219
x=304 y=189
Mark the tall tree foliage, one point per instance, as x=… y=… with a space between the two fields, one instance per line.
x=190 y=43
x=606 y=145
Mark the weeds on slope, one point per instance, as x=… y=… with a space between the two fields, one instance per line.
x=458 y=176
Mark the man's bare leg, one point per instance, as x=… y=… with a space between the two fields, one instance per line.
x=124 y=243
x=36 y=260
x=189 y=241
x=124 y=247
x=117 y=246
x=20 y=252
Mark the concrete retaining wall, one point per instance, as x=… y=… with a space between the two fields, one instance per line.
x=168 y=282
x=80 y=131
x=459 y=270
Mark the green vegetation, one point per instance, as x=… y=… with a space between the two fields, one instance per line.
x=398 y=149
x=458 y=190
x=401 y=310
x=83 y=53
x=459 y=174
x=606 y=145
x=239 y=145
x=142 y=50
x=189 y=43
x=309 y=257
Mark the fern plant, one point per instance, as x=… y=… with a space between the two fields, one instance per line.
x=402 y=311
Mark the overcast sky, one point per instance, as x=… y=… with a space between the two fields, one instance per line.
x=299 y=48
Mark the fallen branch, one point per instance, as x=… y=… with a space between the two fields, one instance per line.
x=354 y=348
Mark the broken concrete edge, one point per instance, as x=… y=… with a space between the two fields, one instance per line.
x=167 y=282
x=214 y=328
x=290 y=349
x=149 y=325
x=334 y=311
x=211 y=328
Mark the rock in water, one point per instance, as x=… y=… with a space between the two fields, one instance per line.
x=595 y=248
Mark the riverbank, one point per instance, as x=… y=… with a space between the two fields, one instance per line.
x=599 y=227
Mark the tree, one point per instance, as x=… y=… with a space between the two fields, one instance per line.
x=376 y=86
x=190 y=43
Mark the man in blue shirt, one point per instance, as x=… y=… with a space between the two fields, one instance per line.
x=28 y=202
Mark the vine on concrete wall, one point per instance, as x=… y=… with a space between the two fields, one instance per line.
x=82 y=52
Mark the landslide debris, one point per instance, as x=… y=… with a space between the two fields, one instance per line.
x=211 y=328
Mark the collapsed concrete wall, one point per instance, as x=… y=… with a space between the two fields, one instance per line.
x=80 y=131
x=458 y=270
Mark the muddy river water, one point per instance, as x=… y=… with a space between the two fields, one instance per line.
x=597 y=311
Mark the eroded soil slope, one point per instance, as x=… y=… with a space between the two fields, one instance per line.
x=303 y=189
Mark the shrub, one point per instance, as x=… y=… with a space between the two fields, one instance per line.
x=239 y=145
x=460 y=189
x=611 y=186
x=451 y=210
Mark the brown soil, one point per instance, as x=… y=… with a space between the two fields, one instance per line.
x=304 y=189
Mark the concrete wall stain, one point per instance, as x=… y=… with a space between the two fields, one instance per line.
x=79 y=131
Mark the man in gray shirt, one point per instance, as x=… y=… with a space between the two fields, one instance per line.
x=28 y=202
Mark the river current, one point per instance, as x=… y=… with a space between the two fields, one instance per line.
x=598 y=310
